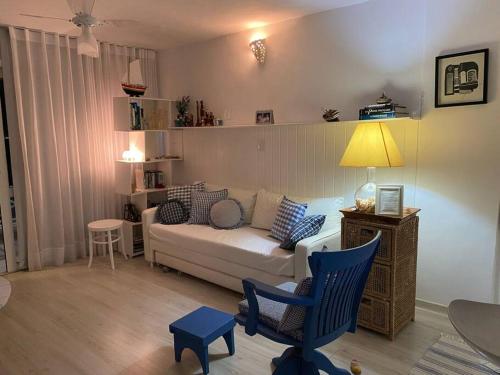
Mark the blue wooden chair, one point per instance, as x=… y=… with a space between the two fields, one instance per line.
x=331 y=308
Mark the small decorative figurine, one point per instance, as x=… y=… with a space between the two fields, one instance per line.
x=331 y=115
x=355 y=367
x=183 y=117
x=384 y=99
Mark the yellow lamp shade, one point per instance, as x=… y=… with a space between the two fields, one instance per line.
x=372 y=145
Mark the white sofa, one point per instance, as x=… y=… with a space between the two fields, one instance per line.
x=225 y=257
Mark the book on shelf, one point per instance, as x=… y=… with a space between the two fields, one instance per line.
x=382 y=115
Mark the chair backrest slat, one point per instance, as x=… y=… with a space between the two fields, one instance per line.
x=339 y=279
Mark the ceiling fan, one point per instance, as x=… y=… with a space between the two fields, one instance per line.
x=83 y=18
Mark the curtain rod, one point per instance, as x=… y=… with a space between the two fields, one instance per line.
x=71 y=37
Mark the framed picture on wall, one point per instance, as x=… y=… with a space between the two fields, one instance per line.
x=264 y=117
x=389 y=200
x=462 y=79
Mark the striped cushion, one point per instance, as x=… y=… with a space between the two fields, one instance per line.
x=172 y=212
x=307 y=227
x=289 y=214
x=293 y=317
x=201 y=201
x=183 y=193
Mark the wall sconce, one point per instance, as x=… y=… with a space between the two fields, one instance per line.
x=258 y=48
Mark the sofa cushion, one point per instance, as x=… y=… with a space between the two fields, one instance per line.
x=307 y=227
x=323 y=206
x=226 y=214
x=201 y=201
x=293 y=317
x=246 y=246
x=266 y=209
x=183 y=193
x=271 y=312
x=289 y=214
x=172 y=212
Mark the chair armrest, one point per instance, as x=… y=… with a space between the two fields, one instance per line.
x=253 y=288
x=304 y=248
x=148 y=218
x=276 y=294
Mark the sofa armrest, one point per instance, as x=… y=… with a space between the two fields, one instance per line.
x=329 y=238
x=148 y=218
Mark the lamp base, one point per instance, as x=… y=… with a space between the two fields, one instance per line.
x=365 y=197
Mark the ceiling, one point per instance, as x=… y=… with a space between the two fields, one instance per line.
x=162 y=24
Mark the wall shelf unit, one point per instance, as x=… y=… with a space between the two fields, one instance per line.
x=247 y=126
x=145 y=170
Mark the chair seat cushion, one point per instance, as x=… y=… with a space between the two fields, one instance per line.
x=271 y=312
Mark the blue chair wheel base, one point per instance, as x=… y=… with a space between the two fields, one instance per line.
x=292 y=362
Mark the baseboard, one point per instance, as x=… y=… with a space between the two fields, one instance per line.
x=432 y=306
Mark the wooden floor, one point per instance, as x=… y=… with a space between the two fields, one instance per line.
x=71 y=320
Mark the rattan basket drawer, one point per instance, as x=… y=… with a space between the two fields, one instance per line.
x=379 y=281
x=374 y=314
x=359 y=234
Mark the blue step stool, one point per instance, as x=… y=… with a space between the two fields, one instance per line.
x=199 y=329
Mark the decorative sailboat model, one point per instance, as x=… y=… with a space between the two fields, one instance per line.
x=132 y=82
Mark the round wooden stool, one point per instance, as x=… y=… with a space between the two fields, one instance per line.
x=100 y=233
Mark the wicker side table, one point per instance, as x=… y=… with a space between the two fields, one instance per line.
x=388 y=302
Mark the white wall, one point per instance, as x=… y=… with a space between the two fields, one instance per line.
x=344 y=59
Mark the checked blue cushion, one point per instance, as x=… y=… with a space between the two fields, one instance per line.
x=307 y=227
x=172 y=211
x=289 y=214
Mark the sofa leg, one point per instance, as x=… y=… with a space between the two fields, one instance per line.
x=179 y=273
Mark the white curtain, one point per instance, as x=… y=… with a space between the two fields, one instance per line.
x=65 y=115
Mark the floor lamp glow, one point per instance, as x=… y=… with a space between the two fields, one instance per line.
x=371 y=146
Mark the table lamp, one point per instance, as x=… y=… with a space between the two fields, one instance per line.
x=370 y=146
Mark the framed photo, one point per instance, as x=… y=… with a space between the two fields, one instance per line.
x=462 y=79
x=389 y=200
x=264 y=117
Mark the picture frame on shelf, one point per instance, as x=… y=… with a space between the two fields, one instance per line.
x=389 y=200
x=461 y=79
x=264 y=117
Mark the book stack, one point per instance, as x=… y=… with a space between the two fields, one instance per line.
x=383 y=111
x=154 y=179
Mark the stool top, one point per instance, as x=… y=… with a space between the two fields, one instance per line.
x=108 y=224
x=478 y=324
x=205 y=323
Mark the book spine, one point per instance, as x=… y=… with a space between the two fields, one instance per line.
x=376 y=116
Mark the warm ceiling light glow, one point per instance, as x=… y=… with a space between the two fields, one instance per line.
x=258 y=48
x=255 y=24
x=258 y=35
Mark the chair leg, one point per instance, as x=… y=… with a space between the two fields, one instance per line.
x=229 y=338
x=110 y=249
x=286 y=354
x=326 y=365
x=91 y=248
x=121 y=243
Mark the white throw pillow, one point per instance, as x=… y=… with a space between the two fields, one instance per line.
x=247 y=199
x=266 y=209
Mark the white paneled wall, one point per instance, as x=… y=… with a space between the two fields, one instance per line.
x=300 y=160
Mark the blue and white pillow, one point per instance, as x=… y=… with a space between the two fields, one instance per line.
x=183 y=193
x=307 y=227
x=172 y=211
x=201 y=201
x=289 y=214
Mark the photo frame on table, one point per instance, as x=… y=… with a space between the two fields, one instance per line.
x=389 y=200
x=264 y=117
x=462 y=79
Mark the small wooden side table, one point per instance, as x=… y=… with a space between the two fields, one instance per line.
x=388 y=302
